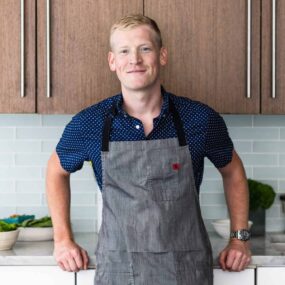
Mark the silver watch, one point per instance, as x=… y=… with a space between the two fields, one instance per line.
x=242 y=234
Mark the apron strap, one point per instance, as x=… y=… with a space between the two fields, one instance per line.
x=112 y=112
x=107 y=128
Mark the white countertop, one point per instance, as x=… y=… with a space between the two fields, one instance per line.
x=41 y=253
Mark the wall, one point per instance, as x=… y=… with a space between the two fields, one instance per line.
x=26 y=142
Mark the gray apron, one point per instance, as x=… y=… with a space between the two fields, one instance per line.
x=152 y=232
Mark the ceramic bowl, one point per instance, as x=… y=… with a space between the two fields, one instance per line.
x=8 y=239
x=222 y=227
x=35 y=234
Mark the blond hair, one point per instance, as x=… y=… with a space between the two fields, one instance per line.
x=135 y=20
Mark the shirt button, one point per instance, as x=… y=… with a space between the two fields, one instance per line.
x=137 y=127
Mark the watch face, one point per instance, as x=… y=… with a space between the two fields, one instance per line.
x=243 y=235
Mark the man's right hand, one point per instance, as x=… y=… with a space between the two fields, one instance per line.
x=70 y=256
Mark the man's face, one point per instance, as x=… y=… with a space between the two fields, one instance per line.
x=136 y=58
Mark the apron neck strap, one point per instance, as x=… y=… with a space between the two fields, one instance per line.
x=112 y=112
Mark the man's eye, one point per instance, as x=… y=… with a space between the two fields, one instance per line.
x=145 y=49
x=123 y=51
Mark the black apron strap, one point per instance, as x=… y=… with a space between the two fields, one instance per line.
x=177 y=123
x=112 y=112
x=107 y=128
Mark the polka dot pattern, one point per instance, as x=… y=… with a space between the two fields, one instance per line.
x=205 y=130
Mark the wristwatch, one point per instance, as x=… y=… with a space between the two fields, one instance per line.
x=242 y=234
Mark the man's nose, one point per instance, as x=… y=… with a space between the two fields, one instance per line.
x=135 y=57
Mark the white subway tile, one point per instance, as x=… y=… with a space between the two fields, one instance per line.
x=242 y=146
x=275 y=210
x=49 y=146
x=282 y=133
x=82 y=199
x=212 y=199
x=5 y=211
x=20 y=172
x=275 y=224
x=83 y=212
x=37 y=159
x=83 y=225
x=240 y=133
x=30 y=186
x=7 y=133
x=84 y=185
x=238 y=121
x=214 y=212
x=210 y=186
x=255 y=159
x=38 y=211
x=20 y=146
x=281 y=186
x=19 y=199
x=39 y=133
x=7 y=185
x=56 y=120
x=269 y=121
x=20 y=120
x=272 y=147
x=269 y=172
x=6 y=159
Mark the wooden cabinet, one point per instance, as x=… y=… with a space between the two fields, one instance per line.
x=246 y=277
x=35 y=275
x=79 y=43
x=220 y=52
x=270 y=275
x=17 y=56
x=207 y=43
x=273 y=57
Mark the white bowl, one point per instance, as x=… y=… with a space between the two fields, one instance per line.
x=35 y=234
x=8 y=239
x=222 y=227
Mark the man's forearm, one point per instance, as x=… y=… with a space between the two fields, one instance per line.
x=58 y=197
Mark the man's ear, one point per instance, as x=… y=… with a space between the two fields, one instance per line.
x=111 y=61
x=163 y=56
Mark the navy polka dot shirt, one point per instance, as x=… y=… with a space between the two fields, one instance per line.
x=205 y=131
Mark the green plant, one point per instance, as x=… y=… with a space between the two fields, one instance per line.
x=260 y=195
x=5 y=227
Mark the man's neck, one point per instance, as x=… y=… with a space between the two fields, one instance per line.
x=143 y=103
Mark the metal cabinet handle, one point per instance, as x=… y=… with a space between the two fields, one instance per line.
x=22 y=31
x=48 y=49
x=273 y=49
x=248 y=95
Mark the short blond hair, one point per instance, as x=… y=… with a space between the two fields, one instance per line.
x=135 y=20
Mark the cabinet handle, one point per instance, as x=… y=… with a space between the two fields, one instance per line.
x=22 y=31
x=48 y=49
x=248 y=95
x=273 y=49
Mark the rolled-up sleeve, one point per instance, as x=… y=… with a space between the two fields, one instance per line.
x=219 y=146
x=71 y=147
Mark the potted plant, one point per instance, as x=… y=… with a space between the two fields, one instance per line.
x=261 y=197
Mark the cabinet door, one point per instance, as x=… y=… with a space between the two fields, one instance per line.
x=79 y=44
x=85 y=277
x=207 y=45
x=270 y=275
x=35 y=275
x=245 y=277
x=17 y=65
x=273 y=74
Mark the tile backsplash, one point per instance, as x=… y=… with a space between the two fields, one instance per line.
x=26 y=142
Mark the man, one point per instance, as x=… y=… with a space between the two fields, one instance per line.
x=147 y=148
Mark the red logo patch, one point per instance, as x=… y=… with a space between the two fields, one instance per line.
x=176 y=166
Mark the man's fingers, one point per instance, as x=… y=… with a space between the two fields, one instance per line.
x=222 y=259
x=85 y=258
x=236 y=258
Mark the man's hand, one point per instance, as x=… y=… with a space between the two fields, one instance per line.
x=236 y=256
x=70 y=256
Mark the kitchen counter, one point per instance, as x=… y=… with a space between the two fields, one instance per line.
x=41 y=253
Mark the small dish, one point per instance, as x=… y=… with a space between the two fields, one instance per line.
x=8 y=239
x=36 y=234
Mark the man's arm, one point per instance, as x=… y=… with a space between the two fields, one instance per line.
x=68 y=254
x=236 y=256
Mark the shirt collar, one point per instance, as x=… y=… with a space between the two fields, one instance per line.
x=164 y=107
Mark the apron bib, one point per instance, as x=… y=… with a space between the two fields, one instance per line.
x=152 y=230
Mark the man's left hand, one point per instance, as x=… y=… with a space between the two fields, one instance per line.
x=236 y=256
